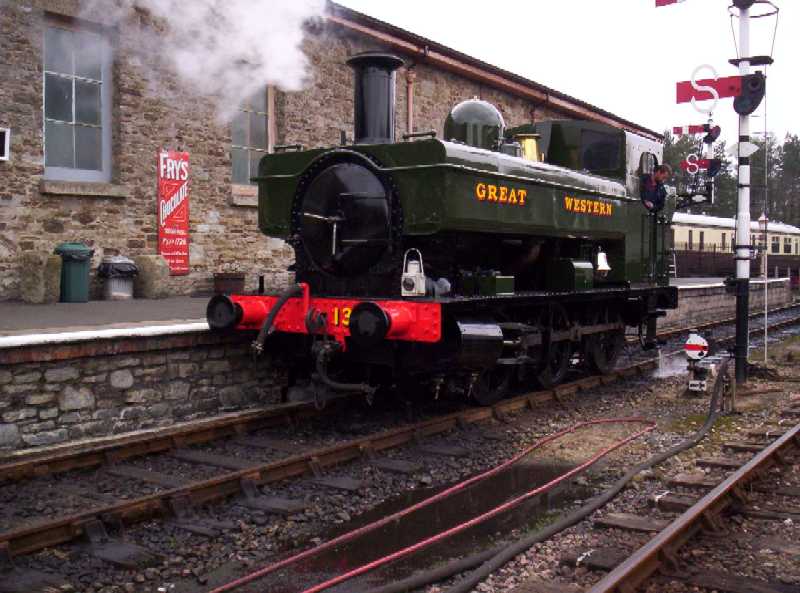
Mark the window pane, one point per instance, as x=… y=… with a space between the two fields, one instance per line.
x=58 y=98
x=58 y=145
x=258 y=131
x=87 y=102
x=255 y=158
x=241 y=161
x=239 y=129
x=88 y=55
x=87 y=148
x=258 y=102
x=58 y=50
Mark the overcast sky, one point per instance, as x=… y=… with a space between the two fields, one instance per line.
x=622 y=55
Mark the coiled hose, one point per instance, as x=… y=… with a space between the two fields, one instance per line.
x=491 y=560
x=268 y=326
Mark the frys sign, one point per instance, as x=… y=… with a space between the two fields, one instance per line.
x=173 y=210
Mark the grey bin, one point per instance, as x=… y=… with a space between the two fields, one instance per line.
x=117 y=273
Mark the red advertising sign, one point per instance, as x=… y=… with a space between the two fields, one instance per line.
x=173 y=210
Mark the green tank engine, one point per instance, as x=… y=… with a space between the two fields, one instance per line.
x=531 y=241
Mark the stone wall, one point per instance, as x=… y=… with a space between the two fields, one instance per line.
x=61 y=393
x=150 y=113
x=705 y=303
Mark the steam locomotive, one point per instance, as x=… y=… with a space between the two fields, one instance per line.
x=489 y=258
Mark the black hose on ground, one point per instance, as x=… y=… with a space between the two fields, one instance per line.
x=491 y=560
x=267 y=327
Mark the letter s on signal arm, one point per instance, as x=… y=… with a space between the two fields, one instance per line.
x=703 y=88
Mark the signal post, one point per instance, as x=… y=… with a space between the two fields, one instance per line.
x=747 y=90
x=743 y=247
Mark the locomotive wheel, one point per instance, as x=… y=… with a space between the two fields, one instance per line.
x=492 y=385
x=555 y=358
x=603 y=350
x=555 y=368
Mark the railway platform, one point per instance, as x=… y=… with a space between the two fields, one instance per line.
x=22 y=319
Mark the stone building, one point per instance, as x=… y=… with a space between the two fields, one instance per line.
x=85 y=169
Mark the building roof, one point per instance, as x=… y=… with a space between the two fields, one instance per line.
x=429 y=51
x=701 y=220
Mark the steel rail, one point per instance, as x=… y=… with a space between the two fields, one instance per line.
x=48 y=533
x=668 y=333
x=663 y=547
x=88 y=455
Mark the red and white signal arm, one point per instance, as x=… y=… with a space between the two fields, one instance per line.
x=696 y=347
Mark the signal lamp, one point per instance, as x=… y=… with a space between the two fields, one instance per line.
x=753 y=88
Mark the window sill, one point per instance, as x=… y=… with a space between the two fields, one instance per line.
x=84 y=189
x=244 y=195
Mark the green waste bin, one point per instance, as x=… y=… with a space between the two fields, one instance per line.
x=75 y=258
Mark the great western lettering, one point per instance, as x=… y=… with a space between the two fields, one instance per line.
x=587 y=206
x=487 y=192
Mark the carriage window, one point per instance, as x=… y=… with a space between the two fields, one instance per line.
x=599 y=151
x=776 y=245
x=691 y=240
x=702 y=240
x=787 y=245
x=724 y=242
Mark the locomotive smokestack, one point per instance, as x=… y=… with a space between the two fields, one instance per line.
x=374 y=96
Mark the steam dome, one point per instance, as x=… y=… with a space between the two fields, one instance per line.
x=476 y=123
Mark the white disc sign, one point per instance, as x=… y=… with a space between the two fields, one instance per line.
x=696 y=347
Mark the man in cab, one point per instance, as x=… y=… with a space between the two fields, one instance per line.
x=652 y=192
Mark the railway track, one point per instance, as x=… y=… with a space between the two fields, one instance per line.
x=250 y=476
x=700 y=529
x=175 y=499
x=707 y=514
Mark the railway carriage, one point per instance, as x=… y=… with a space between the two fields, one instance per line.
x=466 y=264
x=704 y=246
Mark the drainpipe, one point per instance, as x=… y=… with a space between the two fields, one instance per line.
x=411 y=76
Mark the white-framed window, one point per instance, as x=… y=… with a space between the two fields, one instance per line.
x=77 y=105
x=249 y=138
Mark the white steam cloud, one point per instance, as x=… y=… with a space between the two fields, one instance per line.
x=225 y=49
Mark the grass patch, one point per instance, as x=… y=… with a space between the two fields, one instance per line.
x=693 y=422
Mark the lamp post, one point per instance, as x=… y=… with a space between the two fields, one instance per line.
x=763 y=223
